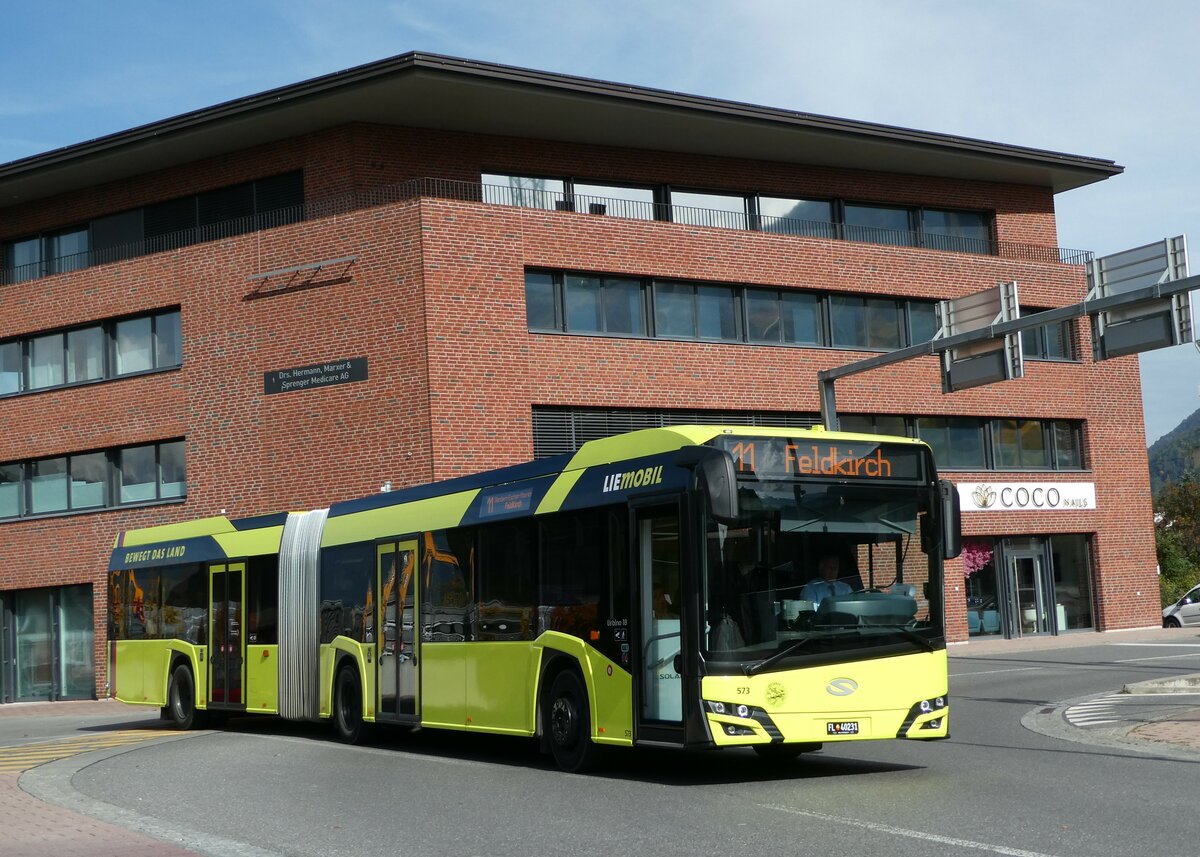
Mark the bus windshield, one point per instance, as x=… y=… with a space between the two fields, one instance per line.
x=820 y=569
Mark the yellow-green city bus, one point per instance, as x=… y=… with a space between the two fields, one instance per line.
x=694 y=586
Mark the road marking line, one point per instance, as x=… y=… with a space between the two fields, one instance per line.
x=912 y=834
x=991 y=672
x=1167 y=694
x=1155 y=658
x=1163 y=645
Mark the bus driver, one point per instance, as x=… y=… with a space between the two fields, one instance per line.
x=826 y=582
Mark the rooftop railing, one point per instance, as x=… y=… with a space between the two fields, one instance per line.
x=551 y=201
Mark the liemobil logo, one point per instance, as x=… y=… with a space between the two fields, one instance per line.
x=984 y=496
x=633 y=479
x=776 y=694
x=842 y=686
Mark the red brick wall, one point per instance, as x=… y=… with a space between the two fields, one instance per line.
x=435 y=302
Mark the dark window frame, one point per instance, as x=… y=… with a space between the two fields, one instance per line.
x=111 y=484
x=150 y=241
x=109 y=357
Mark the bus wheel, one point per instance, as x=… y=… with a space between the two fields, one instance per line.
x=347 y=706
x=784 y=752
x=569 y=724
x=181 y=699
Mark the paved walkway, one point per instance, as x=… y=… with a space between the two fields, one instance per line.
x=35 y=828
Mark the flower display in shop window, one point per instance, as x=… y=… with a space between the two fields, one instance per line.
x=975 y=555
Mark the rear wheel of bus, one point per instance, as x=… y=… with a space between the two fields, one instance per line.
x=568 y=723
x=347 y=705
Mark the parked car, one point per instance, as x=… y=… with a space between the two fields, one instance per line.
x=1185 y=611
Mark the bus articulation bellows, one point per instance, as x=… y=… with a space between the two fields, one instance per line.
x=665 y=587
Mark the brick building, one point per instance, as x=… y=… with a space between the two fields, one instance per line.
x=424 y=267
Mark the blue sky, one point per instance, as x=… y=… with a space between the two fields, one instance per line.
x=1103 y=78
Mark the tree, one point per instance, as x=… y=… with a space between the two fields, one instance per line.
x=1177 y=537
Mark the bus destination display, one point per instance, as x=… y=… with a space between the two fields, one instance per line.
x=791 y=458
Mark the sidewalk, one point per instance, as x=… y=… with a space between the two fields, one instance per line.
x=35 y=828
x=1181 y=729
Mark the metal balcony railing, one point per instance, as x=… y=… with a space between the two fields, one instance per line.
x=551 y=201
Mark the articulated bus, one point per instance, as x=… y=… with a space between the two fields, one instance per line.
x=693 y=587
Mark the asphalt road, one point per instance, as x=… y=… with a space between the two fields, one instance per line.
x=265 y=787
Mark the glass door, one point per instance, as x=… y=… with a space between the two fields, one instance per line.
x=226 y=646
x=396 y=642
x=1031 y=593
x=659 y=564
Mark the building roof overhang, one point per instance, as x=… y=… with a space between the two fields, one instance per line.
x=431 y=91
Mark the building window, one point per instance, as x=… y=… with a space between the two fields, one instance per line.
x=724 y=210
x=93 y=480
x=94 y=353
x=617 y=200
x=879 y=224
x=695 y=312
x=906 y=226
x=868 y=323
x=12 y=377
x=774 y=316
x=922 y=321
x=1048 y=342
x=12 y=493
x=961 y=231
x=1020 y=444
x=46 y=361
x=597 y=304
x=957 y=442
x=541 y=301
x=813 y=218
x=524 y=191
x=604 y=305
x=217 y=213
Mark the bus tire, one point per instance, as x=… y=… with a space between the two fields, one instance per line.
x=776 y=753
x=568 y=723
x=347 y=706
x=181 y=699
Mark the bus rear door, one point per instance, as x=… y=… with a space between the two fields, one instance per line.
x=396 y=637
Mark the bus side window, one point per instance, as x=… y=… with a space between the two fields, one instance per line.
x=571 y=573
x=447 y=573
x=507 y=581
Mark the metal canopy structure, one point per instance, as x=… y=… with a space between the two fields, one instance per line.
x=1130 y=307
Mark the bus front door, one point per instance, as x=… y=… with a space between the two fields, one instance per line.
x=396 y=640
x=226 y=643
x=659 y=563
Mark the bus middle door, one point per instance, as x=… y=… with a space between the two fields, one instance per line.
x=226 y=643
x=396 y=637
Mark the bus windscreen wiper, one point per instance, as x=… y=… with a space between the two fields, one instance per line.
x=910 y=635
x=778 y=656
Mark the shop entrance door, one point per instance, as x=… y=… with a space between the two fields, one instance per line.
x=1032 y=593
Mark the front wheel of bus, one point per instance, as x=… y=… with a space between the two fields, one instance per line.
x=347 y=706
x=181 y=699
x=569 y=723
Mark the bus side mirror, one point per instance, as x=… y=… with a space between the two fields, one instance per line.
x=716 y=479
x=951 y=519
